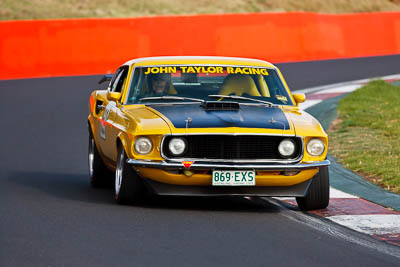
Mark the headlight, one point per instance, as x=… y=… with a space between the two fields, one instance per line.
x=143 y=145
x=177 y=146
x=315 y=147
x=287 y=147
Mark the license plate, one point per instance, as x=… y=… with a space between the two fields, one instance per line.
x=233 y=178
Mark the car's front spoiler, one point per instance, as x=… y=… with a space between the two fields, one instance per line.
x=162 y=189
x=203 y=165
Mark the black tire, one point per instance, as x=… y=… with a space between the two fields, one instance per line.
x=129 y=188
x=318 y=193
x=99 y=175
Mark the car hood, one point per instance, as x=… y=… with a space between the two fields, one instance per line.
x=141 y=120
x=248 y=119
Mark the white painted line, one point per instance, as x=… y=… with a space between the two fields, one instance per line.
x=340 y=89
x=334 y=193
x=309 y=103
x=370 y=224
x=332 y=230
x=336 y=85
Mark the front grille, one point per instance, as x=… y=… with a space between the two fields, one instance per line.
x=230 y=147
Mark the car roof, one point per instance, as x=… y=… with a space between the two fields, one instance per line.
x=189 y=60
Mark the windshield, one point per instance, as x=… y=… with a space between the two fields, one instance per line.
x=194 y=83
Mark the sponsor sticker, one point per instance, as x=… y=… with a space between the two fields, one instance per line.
x=103 y=129
x=282 y=98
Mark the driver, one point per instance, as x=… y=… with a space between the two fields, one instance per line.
x=160 y=83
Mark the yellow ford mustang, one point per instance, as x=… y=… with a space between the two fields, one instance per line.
x=205 y=126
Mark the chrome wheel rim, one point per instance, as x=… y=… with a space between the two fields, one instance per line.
x=118 y=174
x=91 y=157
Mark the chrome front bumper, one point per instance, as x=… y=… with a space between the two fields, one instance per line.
x=205 y=165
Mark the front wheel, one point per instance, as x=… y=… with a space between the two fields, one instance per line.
x=129 y=187
x=99 y=175
x=318 y=193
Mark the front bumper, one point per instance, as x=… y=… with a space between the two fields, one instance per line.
x=161 y=178
x=207 y=166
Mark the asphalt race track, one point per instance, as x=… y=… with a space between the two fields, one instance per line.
x=50 y=216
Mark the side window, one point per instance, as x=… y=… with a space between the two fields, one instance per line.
x=119 y=79
x=136 y=85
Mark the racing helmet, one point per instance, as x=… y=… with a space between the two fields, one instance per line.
x=154 y=77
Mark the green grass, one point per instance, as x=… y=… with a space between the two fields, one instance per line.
x=366 y=137
x=50 y=9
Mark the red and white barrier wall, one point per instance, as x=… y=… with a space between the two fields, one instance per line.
x=43 y=48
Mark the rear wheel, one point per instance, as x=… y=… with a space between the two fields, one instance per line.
x=318 y=193
x=129 y=188
x=99 y=175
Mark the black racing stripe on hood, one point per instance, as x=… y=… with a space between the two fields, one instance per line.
x=247 y=116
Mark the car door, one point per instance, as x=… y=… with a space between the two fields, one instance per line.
x=99 y=113
x=110 y=131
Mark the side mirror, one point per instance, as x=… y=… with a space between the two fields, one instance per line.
x=299 y=98
x=106 y=78
x=114 y=96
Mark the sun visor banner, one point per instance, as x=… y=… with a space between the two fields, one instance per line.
x=206 y=69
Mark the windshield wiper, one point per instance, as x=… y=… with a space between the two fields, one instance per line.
x=242 y=98
x=171 y=98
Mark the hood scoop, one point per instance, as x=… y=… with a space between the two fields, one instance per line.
x=220 y=105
